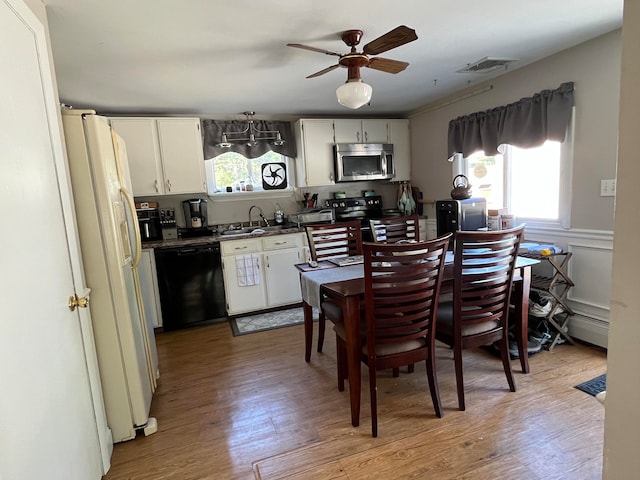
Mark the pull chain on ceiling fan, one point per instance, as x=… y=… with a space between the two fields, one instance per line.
x=354 y=93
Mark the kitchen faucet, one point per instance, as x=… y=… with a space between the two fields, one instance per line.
x=266 y=222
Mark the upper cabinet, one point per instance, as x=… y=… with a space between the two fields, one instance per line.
x=316 y=138
x=371 y=130
x=314 y=165
x=165 y=154
x=399 y=137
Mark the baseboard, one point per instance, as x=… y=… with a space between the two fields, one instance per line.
x=589 y=330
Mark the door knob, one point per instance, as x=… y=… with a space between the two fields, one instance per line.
x=78 y=302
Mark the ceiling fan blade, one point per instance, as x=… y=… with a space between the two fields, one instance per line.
x=313 y=49
x=396 y=37
x=387 y=65
x=322 y=72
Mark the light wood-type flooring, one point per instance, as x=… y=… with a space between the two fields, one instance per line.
x=249 y=407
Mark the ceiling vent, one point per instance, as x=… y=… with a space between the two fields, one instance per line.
x=487 y=64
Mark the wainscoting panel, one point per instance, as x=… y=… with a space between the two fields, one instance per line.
x=590 y=270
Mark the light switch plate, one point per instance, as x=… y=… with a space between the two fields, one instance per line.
x=608 y=188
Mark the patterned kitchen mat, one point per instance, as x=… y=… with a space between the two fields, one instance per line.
x=267 y=321
x=594 y=386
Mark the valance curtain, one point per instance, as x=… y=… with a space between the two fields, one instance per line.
x=525 y=124
x=213 y=130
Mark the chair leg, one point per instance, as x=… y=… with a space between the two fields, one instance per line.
x=457 y=357
x=433 y=382
x=411 y=368
x=374 y=400
x=341 y=360
x=321 y=326
x=506 y=361
x=396 y=372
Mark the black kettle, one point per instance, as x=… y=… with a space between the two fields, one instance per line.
x=461 y=188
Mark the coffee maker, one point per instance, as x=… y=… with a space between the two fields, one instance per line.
x=195 y=218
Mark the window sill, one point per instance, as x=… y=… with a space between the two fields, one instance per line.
x=233 y=196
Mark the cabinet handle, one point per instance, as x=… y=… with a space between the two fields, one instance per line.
x=358 y=137
x=168 y=185
x=240 y=248
x=156 y=185
x=366 y=137
x=281 y=243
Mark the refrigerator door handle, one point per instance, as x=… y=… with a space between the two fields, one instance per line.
x=136 y=228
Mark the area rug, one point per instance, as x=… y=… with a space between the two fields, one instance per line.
x=266 y=321
x=594 y=386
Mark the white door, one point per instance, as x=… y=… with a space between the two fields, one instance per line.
x=48 y=422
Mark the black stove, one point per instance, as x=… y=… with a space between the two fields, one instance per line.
x=361 y=208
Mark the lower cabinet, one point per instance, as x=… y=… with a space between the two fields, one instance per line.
x=149 y=288
x=259 y=273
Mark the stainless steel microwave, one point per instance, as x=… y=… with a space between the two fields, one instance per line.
x=363 y=161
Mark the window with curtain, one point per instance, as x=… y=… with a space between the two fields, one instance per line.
x=239 y=168
x=519 y=156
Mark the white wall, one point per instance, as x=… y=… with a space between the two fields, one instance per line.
x=594 y=66
x=622 y=415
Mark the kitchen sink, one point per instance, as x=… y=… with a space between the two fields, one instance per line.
x=255 y=230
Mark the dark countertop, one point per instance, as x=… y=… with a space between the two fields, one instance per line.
x=216 y=237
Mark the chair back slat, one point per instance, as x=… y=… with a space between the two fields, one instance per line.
x=334 y=240
x=395 y=229
x=483 y=270
x=402 y=284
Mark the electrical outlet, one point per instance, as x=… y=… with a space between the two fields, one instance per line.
x=608 y=188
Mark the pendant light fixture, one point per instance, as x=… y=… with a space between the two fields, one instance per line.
x=251 y=135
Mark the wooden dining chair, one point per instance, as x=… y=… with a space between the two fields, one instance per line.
x=333 y=240
x=478 y=315
x=402 y=284
x=395 y=229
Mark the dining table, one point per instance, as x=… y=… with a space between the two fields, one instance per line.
x=345 y=287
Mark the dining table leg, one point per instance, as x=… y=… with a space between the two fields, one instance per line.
x=521 y=303
x=308 y=330
x=351 y=316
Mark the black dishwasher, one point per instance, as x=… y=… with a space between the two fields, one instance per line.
x=191 y=286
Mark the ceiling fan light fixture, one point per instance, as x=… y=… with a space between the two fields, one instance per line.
x=354 y=93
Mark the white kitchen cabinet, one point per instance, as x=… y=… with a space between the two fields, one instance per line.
x=277 y=282
x=372 y=130
x=314 y=165
x=399 y=137
x=282 y=279
x=165 y=154
x=149 y=288
x=241 y=296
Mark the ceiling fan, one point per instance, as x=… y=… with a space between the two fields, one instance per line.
x=355 y=93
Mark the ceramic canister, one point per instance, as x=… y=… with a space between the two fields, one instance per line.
x=508 y=221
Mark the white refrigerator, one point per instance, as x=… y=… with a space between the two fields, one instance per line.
x=111 y=249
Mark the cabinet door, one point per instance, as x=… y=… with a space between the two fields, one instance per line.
x=348 y=130
x=399 y=137
x=242 y=299
x=315 y=152
x=143 y=153
x=182 y=155
x=375 y=131
x=149 y=288
x=282 y=277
